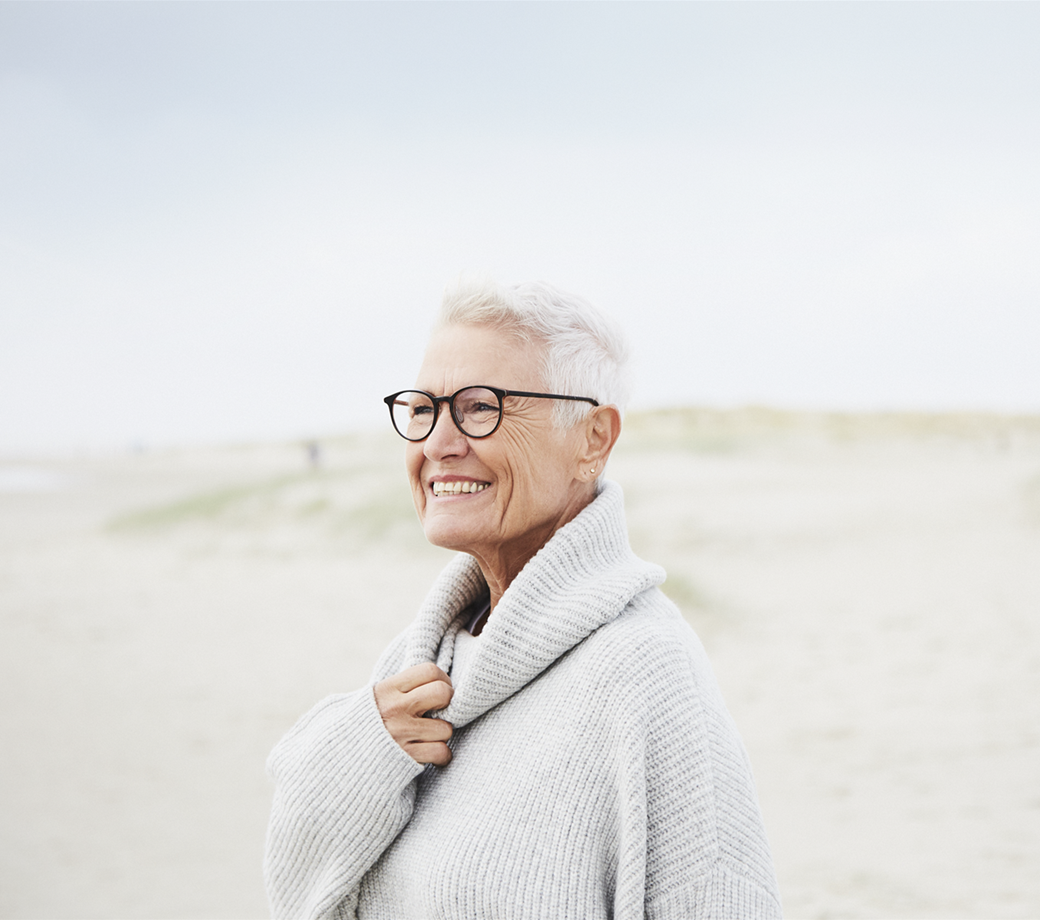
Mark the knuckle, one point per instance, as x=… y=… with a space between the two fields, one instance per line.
x=390 y=707
x=438 y=730
x=427 y=670
x=430 y=697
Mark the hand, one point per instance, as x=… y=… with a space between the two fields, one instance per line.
x=402 y=700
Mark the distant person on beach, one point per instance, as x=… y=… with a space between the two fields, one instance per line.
x=547 y=739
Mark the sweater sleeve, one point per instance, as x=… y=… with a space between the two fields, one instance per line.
x=705 y=791
x=344 y=790
x=697 y=846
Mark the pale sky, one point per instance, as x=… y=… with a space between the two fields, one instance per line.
x=234 y=221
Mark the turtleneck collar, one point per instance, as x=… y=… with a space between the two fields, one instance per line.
x=581 y=579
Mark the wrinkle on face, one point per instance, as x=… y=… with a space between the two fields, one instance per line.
x=531 y=465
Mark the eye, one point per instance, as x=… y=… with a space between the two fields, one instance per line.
x=472 y=407
x=422 y=409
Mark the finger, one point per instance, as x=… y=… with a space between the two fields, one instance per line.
x=417 y=675
x=434 y=695
x=423 y=730
x=434 y=752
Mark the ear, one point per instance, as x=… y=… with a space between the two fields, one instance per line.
x=602 y=429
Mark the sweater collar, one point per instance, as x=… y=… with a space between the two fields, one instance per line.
x=581 y=579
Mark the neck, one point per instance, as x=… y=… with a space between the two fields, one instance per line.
x=501 y=563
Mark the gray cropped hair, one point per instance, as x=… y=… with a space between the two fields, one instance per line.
x=584 y=351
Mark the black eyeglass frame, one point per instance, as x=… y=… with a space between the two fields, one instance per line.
x=450 y=400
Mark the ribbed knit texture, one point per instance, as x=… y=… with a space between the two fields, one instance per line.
x=596 y=772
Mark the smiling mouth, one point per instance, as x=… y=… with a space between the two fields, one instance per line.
x=458 y=488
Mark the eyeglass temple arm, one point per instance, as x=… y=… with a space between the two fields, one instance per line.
x=587 y=399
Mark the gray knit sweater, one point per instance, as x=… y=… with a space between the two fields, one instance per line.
x=596 y=772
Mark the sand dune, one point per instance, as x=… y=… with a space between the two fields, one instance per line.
x=868 y=588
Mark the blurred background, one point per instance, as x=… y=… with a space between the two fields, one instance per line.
x=234 y=221
x=224 y=229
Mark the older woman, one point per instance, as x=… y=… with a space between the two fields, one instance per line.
x=547 y=739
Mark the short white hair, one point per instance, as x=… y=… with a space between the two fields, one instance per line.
x=584 y=351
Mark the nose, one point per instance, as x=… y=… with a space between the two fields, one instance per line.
x=445 y=440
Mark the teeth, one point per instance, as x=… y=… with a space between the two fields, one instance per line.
x=456 y=488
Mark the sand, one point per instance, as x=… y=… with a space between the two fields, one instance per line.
x=868 y=588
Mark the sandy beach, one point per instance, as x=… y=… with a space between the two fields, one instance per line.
x=868 y=588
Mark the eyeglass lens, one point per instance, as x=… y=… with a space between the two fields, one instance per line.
x=477 y=412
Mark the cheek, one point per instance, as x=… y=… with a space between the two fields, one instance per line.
x=413 y=463
x=527 y=478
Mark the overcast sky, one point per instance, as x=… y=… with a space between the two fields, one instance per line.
x=234 y=221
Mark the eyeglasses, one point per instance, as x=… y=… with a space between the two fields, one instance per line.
x=476 y=411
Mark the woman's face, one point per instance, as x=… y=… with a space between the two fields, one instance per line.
x=530 y=472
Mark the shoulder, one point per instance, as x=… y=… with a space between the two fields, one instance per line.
x=650 y=657
x=393 y=657
x=649 y=634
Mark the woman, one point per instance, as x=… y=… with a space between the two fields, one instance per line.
x=547 y=739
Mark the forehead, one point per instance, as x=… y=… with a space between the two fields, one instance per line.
x=460 y=356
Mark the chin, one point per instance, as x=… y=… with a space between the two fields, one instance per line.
x=447 y=534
